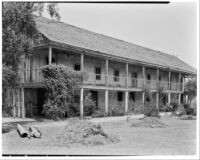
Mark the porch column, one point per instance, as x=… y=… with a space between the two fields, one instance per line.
x=179 y=98
x=126 y=75
x=22 y=103
x=143 y=75
x=126 y=102
x=106 y=101
x=106 y=76
x=183 y=83
x=143 y=97
x=18 y=103
x=179 y=81
x=50 y=54
x=186 y=99
x=169 y=98
x=169 y=80
x=81 y=103
x=82 y=91
x=14 y=103
x=157 y=74
x=157 y=100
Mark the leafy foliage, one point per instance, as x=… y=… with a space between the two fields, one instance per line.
x=191 y=89
x=62 y=84
x=89 y=104
x=100 y=112
x=19 y=30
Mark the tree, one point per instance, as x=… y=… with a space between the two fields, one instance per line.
x=190 y=89
x=61 y=83
x=18 y=22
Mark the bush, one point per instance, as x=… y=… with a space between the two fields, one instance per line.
x=117 y=110
x=99 y=113
x=150 y=110
x=134 y=107
x=7 y=110
x=180 y=110
x=89 y=105
x=62 y=84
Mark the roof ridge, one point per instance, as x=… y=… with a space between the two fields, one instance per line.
x=103 y=35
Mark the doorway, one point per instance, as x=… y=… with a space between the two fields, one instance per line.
x=134 y=77
x=40 y=100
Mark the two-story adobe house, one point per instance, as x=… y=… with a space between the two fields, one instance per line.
x=118 y=70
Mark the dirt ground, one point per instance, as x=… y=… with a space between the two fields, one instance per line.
x=179 y=138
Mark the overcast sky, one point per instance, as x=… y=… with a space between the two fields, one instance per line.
x=170 y=28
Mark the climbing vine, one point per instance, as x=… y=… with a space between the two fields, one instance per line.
x=62 y=84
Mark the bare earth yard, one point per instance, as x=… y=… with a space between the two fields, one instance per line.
x=179 y=138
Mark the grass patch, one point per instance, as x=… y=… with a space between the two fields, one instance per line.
x=188 y=117
x=83 y=132
x=151 y=122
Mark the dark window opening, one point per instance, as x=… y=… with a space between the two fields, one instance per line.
x=116 y=76
x=77 y=67
x=120 y=96
x=148 y=99
x=98 y=73
x=159 y=78
x=53 y=60
x=148 y=77
x=132 y=96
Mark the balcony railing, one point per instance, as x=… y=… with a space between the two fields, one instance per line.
x=34 y=76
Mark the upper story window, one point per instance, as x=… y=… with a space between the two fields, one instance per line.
x=120 y=96
x=159 y=78
x=53 y=60
x=77 y=67
x=98 y=73
x=116 y=76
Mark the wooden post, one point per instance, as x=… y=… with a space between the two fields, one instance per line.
x=22 y=103
x=169 y=80
x=143 y=75
x=82 y=91
x=179 y=81
x=126 y=75
x=106 y=75
x=179 y=98
x=183 y=83
x=82 y=62
x=106 y=101
x=157 y=100
x=50 y=54
x=14 y=103
x=186 y=99
x=18 y=103
x=169 y=98
x=126 y=102
x=81 y=103
x=143 y=97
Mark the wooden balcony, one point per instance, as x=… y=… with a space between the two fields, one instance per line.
x=34 y=77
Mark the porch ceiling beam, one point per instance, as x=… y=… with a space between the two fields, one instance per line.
x=116 y=58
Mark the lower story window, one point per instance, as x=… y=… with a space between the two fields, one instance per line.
x=120 y=96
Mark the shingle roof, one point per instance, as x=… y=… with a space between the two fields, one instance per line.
x=67 y=34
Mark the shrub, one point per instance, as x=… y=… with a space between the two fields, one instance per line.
x=62 y=84
x=134 y=107
x=7 y=110
x=89 y=104
x=117 y=110
x=180 y=110
x=99 y=113
x=150 y=110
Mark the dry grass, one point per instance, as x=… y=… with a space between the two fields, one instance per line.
x=82 y=132
x=152 y=122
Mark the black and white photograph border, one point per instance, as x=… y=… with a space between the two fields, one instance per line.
x=100 y=79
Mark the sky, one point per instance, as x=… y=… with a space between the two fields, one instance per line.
x=170 y=28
